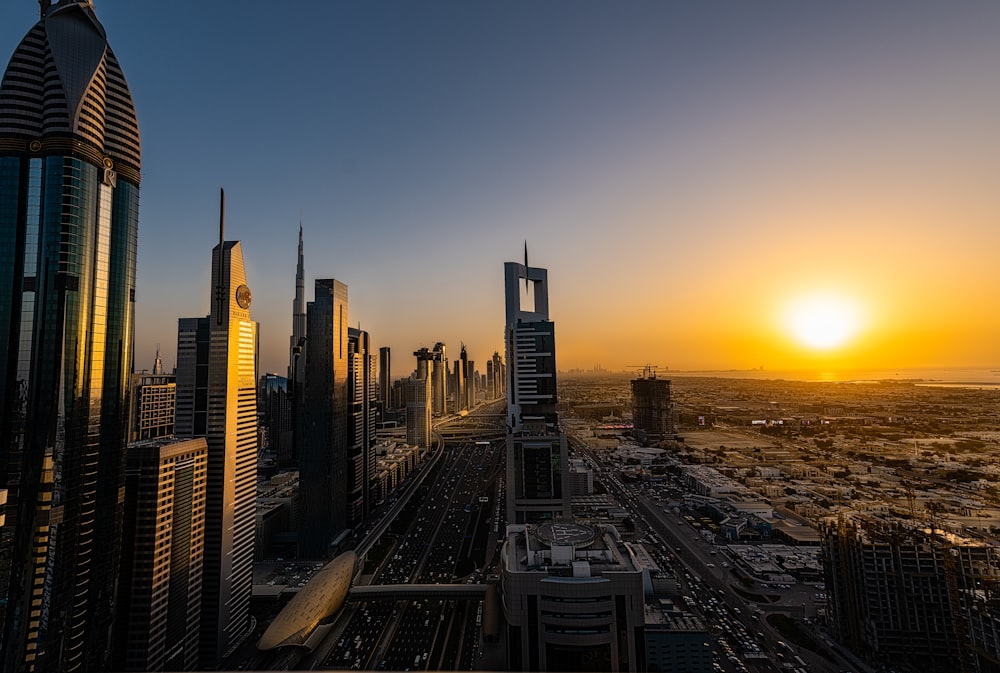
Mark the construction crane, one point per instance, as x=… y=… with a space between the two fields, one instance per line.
x=647 y=371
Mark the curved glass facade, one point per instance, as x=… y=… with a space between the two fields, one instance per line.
x=68 y=234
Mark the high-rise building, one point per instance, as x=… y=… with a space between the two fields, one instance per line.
x=908 y=597
x=362 y=407
x=572 y=592
x=385 y=377
x=424 y=359
x=498 y=389
x=418 y=413
x=471 y=378
x=439 y=380
x=274 y=400
x=298 y=317
x=159 y=607
x=651 y=407
x=191 y=377
x=325 y=428
x=458 y=383
x=151 y=410
x=217 y=399
x=537 y=456
x=69 y=203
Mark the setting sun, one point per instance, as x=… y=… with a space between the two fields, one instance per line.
x=823 y=321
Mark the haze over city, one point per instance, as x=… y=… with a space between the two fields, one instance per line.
x=692 y=175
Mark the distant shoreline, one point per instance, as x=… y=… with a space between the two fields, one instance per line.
x=965 y=377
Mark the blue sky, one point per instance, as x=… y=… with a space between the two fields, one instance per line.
x=677 y=166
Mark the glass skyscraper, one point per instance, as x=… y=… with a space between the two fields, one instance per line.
x=537 y=462
x=69 y=203
x=326 y=436
x=217 y=399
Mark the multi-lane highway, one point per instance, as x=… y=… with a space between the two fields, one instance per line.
x=443 y=535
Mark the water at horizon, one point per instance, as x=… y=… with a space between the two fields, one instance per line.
x=985 y=376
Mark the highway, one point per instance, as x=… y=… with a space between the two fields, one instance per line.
x=441 y=532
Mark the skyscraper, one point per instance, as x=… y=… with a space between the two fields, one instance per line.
x=298 y=316
x=151 y=410
x=572 y=592
x=324 y=422
x=217 y=398
x=385 y=377
x=461 y=380
x=418 y=413
x=159 y=609
x=275 y=403
x=69 y=194
x=439 y=380
x=361 y=455
x=537 y=461
x=498 y=376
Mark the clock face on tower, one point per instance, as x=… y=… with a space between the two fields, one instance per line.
x=243 y=296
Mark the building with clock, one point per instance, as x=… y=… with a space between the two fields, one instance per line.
x=217 y=399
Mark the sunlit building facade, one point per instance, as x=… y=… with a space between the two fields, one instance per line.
x=69 y=203
x=419 y=413
x=153 y=398
x=439 y=379
x=217 y=399
x=159 y=608
x=362 y=408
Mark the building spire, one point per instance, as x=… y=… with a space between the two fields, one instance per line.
x=220 y=288
x=298 y=308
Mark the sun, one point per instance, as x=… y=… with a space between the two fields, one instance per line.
x=823 y=321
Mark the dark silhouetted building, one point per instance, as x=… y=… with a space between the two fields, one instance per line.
x=537 y=463
x=275 y=404
x=69 y=215
x=362 y=410
x=385 y=377
x=651 y=406
x=325 y=427
x=912 y=599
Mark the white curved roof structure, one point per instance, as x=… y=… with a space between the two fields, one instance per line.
x=321 y=597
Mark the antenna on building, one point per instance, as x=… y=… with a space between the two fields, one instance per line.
x=526 y=265
x=222 y=215
x=44 y=6
x=220 y=287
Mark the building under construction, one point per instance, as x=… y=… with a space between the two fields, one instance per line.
x=913 y=597
x=651 y=407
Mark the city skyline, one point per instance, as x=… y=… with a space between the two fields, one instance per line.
x=710 y=163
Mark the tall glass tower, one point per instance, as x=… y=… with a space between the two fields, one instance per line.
x=217 y=399
x=537 y=456
x=69 y=204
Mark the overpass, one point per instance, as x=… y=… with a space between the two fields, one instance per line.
x=399 y=592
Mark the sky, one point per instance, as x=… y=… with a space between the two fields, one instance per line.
x=699 y=178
